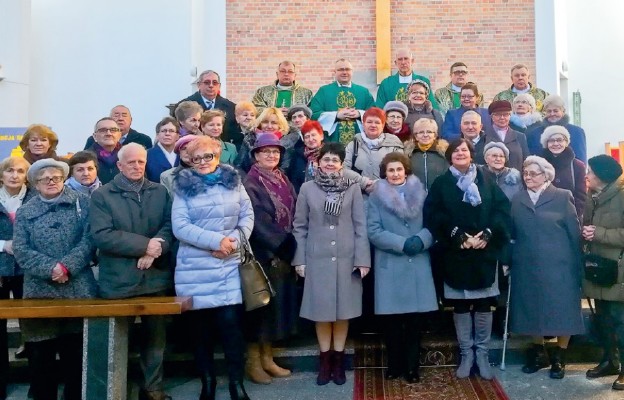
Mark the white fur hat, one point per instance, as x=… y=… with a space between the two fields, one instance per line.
x=496 y=145
x=544 y=166
x=553 y=130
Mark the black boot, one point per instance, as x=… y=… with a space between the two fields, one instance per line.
x=209 y=387
x=237 y=391
x=536 y=359
x=338 y=369
x=557 y=363
x=605 y=368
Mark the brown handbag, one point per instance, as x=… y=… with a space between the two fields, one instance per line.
x=255 y=285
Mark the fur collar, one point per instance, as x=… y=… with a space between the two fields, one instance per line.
x=427 y=108
x=406 y=208
x=187 y=183
x=439 y=147
x=511 y=176
x=526 y=120
x=565 y=120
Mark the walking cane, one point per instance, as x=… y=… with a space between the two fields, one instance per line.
x=506 y=334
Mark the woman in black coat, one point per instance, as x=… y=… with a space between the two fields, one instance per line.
x=468 y=214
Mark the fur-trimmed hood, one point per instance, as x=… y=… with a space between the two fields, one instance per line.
x=439 y=147
x=187 y=183
x=408 y=207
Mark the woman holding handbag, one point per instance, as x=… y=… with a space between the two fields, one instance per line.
x=210 y=210
x=603 y=233
x=273 y=198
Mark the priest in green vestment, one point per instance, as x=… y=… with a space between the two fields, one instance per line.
x=284 y=93
x=339 y=106
x=394 y=87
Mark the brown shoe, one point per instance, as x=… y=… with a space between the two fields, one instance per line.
x=266 y=359
x=619 y=383
x=253 y=367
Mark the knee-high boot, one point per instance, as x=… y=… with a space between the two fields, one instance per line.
x=483 y=332
x=463 y=328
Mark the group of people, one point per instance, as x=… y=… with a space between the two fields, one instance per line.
x=443 y=198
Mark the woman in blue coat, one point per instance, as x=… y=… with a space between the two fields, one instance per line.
x=403 y=283
x=210 y=209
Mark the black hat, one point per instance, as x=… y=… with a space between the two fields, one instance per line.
x=606 y=168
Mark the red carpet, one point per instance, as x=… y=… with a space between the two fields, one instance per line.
x=437 y=383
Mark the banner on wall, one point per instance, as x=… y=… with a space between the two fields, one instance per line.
x=9 y=141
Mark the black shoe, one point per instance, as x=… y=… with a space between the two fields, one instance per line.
x=237 y=391
x=536 y=359
x=20 y=353
x=391 y=374
x=619 y=383
x=209 y=388
x=605 y=368
x=412 y=377
x=557 y=360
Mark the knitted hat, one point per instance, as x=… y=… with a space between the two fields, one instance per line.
x=37 y=166
x=544 y=166
x=606 y=168
x=182 y=142
x=299 y=107
x=496 y=145
x=553 y=100
x=499 y=106
x=525 y=97
x=266 y=139
x=396 y=106
x=553 y=130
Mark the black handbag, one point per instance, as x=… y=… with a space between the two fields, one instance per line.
x=255 y=285
x=600 y=270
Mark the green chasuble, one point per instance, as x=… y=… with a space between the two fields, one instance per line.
x=331 y=98
x=283 y=99
x=391 y=89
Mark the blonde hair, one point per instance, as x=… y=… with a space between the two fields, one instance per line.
x=209 y=115
x=425 y=123
x=245 y=106
x=281 y=121
x=187 y=108
x=12 y=162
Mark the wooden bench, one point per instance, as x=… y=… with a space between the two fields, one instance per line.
x=105 y=347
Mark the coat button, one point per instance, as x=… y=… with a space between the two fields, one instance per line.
x=333 y=242
x=331 y=227
x=333 y=258
x=406 y=224
x=409 y=260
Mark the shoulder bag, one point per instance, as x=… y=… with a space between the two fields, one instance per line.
x=255 y=285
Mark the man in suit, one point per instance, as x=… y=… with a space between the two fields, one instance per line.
x=209 y=85
x=122 y=116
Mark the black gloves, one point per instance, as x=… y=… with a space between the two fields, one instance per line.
x=413 y=246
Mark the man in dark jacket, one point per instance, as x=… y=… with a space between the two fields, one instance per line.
x=131 y=227
x=209 y=97
x=121 y=115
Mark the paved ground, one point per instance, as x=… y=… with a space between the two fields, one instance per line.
x=301 y=386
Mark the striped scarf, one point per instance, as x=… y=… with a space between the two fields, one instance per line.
x=334 y=185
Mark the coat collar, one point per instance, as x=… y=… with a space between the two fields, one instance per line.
x=546 y=197
x=40 y=208
x=408 y=207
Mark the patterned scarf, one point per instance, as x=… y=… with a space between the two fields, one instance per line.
x=466 y=182
x=105 y=157
x=12 y=202
x=334 y=185
x=130 y=186
x=280 y=192
x=80 y=188
x=373 y=143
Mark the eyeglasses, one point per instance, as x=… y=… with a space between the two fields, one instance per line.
x=521 y=102
x=531 y=174
x=332 y=160
x=496 y=156
x=417 y=93
x=501 y=115
x=206 y=157
x=426 y=133
x=168 y=131
x=213 y=83
x=269 y=152
x=467 y=96
x=111 y=130
x=394 y=117
x=556 y=140
x=46 y=181
x=460 y=72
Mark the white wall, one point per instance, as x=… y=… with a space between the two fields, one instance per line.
x=15 y=62
x=88 y=56
x=596 y=59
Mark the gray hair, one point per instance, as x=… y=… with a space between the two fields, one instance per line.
x=471 y=112
x=129 y=146
x=206 y=72
x=543 y=165
x=95 y=128
x=553 y=100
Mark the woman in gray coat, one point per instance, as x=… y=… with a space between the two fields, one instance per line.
x=52 y=244
x=546 y=267
x=403 y=283
x=333 y=255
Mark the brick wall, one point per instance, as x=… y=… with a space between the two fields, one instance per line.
x=488 y=35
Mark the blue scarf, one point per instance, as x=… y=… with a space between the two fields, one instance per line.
x=214 y=178
x=80 y=188
x=467 y=184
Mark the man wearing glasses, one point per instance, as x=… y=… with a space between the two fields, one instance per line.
x=121 y=114
x=106 y=145
x=284 y=92
x=209 y=97
x=520 y=84
x=339 y=106
x=448 y=96
x=394 y=87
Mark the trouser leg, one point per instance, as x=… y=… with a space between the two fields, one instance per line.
x=152 y=347
x=393 y=334
x=412 y=341
x=41 y=361
x=70 y=353
x=229 y=320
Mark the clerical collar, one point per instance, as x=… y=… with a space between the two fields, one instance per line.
x=405 y=79
x=513 y=89
x=347 y=85
x=455 y=88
